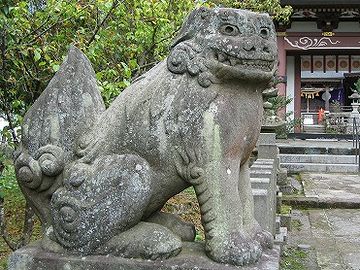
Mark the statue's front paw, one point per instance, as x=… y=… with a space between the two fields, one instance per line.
x=236 y=249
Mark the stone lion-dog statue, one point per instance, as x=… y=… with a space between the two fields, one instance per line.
x=98 y=178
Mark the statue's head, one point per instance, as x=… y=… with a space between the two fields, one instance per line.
x=225 y=44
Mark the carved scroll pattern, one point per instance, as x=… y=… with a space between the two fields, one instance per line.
x=306 y=43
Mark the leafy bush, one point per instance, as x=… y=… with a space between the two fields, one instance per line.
x=7 y=175
x=283 y=131
x=8 y=178
x=293 y=259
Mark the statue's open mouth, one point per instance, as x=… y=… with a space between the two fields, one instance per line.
x=252 y=64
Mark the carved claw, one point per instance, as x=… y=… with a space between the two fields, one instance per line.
x=235 y=249
x=270 y=92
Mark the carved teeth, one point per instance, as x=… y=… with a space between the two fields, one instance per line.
x=251 y=64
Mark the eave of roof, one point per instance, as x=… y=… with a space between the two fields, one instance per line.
x=321 y=3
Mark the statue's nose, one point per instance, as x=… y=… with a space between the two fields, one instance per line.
x=252 y=46
x=249 y=46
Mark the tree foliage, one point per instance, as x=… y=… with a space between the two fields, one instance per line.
x=122 y=39
x=272 y=7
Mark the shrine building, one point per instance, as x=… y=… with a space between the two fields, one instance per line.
x=319 y=56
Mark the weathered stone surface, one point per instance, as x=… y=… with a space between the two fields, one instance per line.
x=193 y=119
x=192 y=257
x=52 y=129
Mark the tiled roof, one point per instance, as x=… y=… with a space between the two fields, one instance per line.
x=321 y=3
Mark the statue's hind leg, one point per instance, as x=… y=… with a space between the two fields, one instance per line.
x=145 y=240
x=103 y=202
x=250 y=224
x=185 y=230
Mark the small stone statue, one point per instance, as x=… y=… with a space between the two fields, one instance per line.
x=98 y=178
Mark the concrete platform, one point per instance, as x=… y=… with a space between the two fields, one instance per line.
x=328 y=191
x=332 y=187
x=191 y=258
x=320 y=168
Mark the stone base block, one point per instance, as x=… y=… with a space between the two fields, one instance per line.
x=192 y=257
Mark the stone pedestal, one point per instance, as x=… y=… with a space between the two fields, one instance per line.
x=354 y=115
x=267 y=148
x=263 y=181
x=192 y=257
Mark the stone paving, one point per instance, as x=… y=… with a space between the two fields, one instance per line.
x=332 y=187
x=337 y=234
x=333 y=234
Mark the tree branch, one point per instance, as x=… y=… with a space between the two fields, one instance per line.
x=52 y=26
x=11 y=126
x=35 y=30
x=29 y=217
x=114 y=5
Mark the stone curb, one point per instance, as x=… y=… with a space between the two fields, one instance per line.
x=192 y=257
x=313 y=202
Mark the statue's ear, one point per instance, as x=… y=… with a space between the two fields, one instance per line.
x=183 y=57
x=195 y=21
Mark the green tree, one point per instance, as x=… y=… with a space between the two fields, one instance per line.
x=121 y=38
x=273 y=7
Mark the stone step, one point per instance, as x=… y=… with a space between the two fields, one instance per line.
x=316 y=150
x=321 y=168
x=281 y=238
x=260 y=167
x=260 y=173
x=260 y=183
x=264 y=161
x=260 y=193
x=277 y=224
x=317 y=158
x=314 y=128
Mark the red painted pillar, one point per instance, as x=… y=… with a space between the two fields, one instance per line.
x=297 y=89
x=282 y=64
x=281 y=70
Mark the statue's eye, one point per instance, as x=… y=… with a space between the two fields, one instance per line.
x=264 y=32
x=229 y=29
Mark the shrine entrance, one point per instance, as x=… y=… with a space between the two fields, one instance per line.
x=326 y=84
x=318 y=48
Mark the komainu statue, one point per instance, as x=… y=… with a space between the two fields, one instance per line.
x=98 y=178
